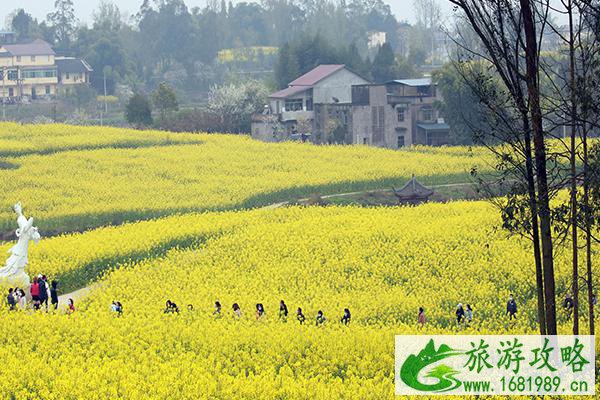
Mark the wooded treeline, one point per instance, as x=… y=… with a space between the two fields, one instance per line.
x=167 y=41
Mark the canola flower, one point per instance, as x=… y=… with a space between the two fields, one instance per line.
x=382 y=263
x=77 y=178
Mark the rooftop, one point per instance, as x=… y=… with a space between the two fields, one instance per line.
x=38 y=47
x=72 y=65
x=287 y=92
x=413 y=82
x=431 y=127
x=318 y=74
x=413 y=189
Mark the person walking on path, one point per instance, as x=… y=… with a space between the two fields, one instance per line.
x=44 y=291
x=260 y=311
x=320 y=318
x=421 y=318
x=283 y=311
x=54 y=294
x=22 y=299
x=10 y=299
x=346 y=317
x=34 y=290
x=511 y=308
x=237 y=312
x=460 y=314
x=568 y=305
x=300 y=316
x=217 y=311
x=70 y=307
x=469 y=314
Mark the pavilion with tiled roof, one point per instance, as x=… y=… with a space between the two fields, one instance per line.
x=413 y=192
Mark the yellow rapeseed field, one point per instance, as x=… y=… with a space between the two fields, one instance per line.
x=73 y=178
x=382 y=263
x=190 y=238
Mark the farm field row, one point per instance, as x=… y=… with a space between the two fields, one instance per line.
x=77 y=178
x=381 y=263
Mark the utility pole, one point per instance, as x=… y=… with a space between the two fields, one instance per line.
x=105 y=103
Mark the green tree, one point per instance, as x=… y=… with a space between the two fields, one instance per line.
x=164 y=99
x=107 y=17
x=106 y=53
x=23 y=25
x=461 y=108
x=138 y=111
x=384 y=64
x=287 y=68
x=63 y=23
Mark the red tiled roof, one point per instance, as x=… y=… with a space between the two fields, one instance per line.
x=318 y=74
x=287 y=92
x=36 y=48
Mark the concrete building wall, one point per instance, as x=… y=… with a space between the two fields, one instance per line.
x=338 y=85
x=73 y=78
x=371 y=128
x=33 y=61
x=261 y=130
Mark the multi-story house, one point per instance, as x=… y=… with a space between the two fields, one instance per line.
x=311 y=105
x=397 y=114
x=32 y=71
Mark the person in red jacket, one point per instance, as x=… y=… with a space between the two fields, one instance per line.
x=34 y=290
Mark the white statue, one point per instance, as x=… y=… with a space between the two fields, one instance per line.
x=13 y=272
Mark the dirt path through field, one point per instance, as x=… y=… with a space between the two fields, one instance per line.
x=82 y=293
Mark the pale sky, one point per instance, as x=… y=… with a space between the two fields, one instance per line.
x=84 y=8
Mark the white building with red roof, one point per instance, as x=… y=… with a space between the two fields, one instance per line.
x=315 y=105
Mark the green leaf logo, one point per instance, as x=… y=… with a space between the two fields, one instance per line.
x=412 y=367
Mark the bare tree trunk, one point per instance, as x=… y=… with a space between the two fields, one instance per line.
x=535 y=232
x=532 y=79
x=588 y=228
x=573 y=159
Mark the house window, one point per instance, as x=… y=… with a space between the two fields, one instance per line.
x=401 y=141
x=18 y=58
x=48 y=89
x=67 y=76
x=39 y=73
x=32 y=58
x=360 y=95
x=427 y=113
x=290 y=105
x=401 y=116
x=13 y=75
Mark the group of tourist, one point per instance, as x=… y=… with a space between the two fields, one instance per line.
x=464 y=314
x=172 y=308
x=42 y=295
x=117 y=308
